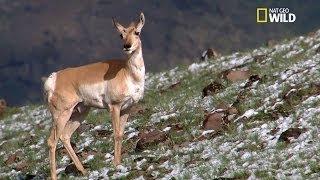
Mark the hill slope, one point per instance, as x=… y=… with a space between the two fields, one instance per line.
x=273 y=130
x=37 y=38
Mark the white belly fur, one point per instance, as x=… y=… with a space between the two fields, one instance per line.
x=96 y=94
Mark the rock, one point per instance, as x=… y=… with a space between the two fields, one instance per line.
x=176 y=127
x=137 y=109
x=172 y=87
x=209 y=54
x=63 y=150
x=270 y=43
x=237 y=75
x=312 y=33
x=3 y=106
x=290 y=133
x=318 y=50
x=13 y=158
x=86 y=152
x=215 y=121
x=150 y=138
x=102 y=133
x=72 y=169
x=21 y=166
x=232 y=110
x=259 y=58
x=252 y=79
x=84 y=127
x=211 y=89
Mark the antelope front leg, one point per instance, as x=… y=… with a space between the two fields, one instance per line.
x=115 y=116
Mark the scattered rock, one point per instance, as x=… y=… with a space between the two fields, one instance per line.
x=102 y=133
x=72 y=169
x=232 y=110
x=209 y=54
x=271 y=42
x=240 y=98
x=274 y=131
x=312 y=33
x=209 y=135
x=150 y=138
x=137 y=109
x=172 y=87
x=87 y=151
x=21 y=166
x=13 y=158
x=212 y=89
x=291 y=133
x=237 y=75
x=318 y=50
x=215 y=121
x=3 y=106
x=84 y=127
x=259 y=58
x=252 y=79
x=220 y=118
x=176 y=127
x=63 y=150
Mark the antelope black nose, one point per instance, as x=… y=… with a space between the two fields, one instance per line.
x=127 y=46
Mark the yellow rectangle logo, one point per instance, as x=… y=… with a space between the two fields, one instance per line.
x=262 y=15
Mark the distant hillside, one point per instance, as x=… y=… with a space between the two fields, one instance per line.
x=38 y=37
x=247 y=115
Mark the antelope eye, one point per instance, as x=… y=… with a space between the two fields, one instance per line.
x=137 y=33
x=121 y=36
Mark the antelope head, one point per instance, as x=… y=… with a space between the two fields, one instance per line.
x=130 y=35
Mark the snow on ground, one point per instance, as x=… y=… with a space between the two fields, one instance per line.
x=249 y=150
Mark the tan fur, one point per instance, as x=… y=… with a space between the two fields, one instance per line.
x=112 y=84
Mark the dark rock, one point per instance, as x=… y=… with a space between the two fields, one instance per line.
x=271 y=43
x=72 y=169
x=259 y=58
x=150 y=138
x=13 y=158
x=102 y=133
x=290 y=133
x=211 y=89
x=209 y=54
x=137 y=109
x=84 y=127
x=21 y=166
x=171 y=87
x=318 y=50
x=252 y=79
x=215 y=121
x=86 y=152
x=176 y=127
x=63 y=150
x=174 y=85
x=3 y=106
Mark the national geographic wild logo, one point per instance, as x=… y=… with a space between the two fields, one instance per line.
x=275 y=15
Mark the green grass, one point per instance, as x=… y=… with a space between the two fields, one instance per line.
x=185 y=100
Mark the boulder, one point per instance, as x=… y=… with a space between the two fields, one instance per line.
x=150 y=138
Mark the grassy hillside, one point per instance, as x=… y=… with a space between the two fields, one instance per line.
x=272 y=132
x=37 y=38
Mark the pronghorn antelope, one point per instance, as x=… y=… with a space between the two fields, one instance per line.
x=114 y=84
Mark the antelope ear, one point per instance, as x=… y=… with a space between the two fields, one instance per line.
x=141 y=22
x=118 y=26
